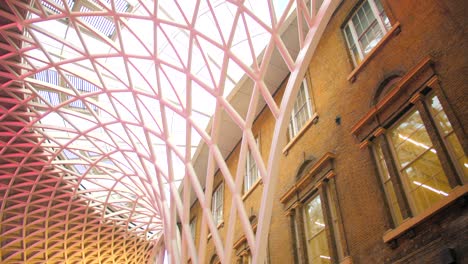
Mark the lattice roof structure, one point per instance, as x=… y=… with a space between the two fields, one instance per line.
x=115 y=115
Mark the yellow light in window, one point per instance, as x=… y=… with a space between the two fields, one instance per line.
x=416 y=142
x=430 y=188
x=318 y=223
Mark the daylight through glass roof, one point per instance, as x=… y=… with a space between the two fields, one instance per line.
x=133 y=101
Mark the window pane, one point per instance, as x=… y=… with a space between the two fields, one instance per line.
x=301 y=111
x=422 y=174
x=388 y=185
x=251 y=171
x=352 y=45
x=371 y=37
x=460 y=156
x=439 y=116
x=393 y=203
x=334 y=216
x=410 y=139
x=363 y=18
x=427 y=183
x=217 y=205
x=446 y=129
x=370 y=23
x=316 y=236
x=51 y=97
x=382 y=15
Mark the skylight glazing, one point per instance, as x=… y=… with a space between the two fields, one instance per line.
x=129 y=101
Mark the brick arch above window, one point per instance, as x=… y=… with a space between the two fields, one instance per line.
x=312 y=174
x=395 y=97
x=305 y=166
x=385 y=87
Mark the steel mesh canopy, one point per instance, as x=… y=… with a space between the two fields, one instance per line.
x=116 y=114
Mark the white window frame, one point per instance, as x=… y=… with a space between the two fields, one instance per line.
x=217 y=204
x=355 y=38
x=193 y=227
x=294 y=126
x=251 y=170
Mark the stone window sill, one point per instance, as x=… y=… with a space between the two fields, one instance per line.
x=247 y=194
x=220 y=225
x=395 y=30
x=410 y=223
x=312 y=120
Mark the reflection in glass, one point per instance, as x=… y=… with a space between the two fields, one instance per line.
x=448 y=134
x=251 y=171
x=217 y=204
x=422 y=174
x=317 y=243
x=388 y=185
x=302 y=110
x=365 y=29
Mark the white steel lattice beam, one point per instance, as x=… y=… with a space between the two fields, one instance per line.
x=114 y=116
x=320 y=20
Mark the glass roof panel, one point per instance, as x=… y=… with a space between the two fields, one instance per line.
x=125 y=91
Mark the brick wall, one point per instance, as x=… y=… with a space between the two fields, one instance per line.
x=427 y=28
